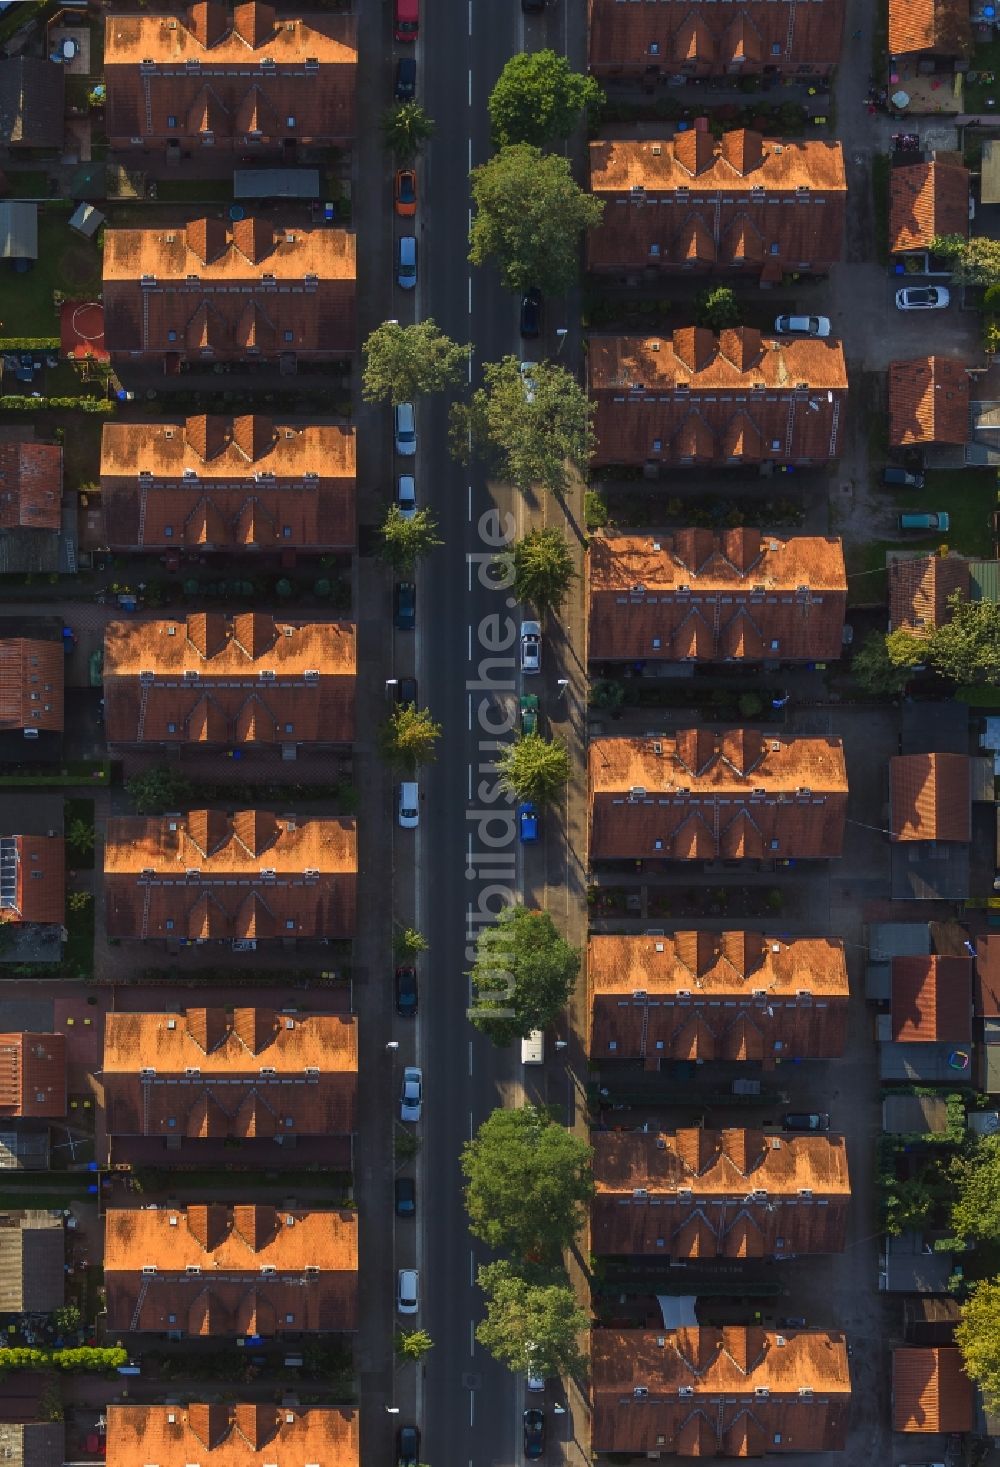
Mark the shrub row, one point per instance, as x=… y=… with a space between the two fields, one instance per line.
x=101 y=405
x=29 y=343
x=86 y=1357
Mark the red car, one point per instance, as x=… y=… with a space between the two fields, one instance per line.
x=405 y=192
x=406 y=20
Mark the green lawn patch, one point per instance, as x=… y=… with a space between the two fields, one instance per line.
x=82 y=453
x=78 y=954
x=32 y=183
x=76 y=771
x=66 y=262
x=78 y=823
x=194 y=190
x=880 y=202
x=978 y=93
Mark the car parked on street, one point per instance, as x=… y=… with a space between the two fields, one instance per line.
x=406 y=79
x=802 y=326
x=411 y=1095
x=406 y=20
x=406 y=992
x=405 y=429
x=527 y=822
x=406 y=691
x=406 y=496
x=806 y=1121
x=922 y=298
x=529 y=713
x=531 y=313
x=404 y=606
x=901 y=478
x=527 y=380
x=407 y=1291
x=406 y=261
x=407 y=1446
x=534 y=1433
x=925 y=519
x=531 y=647
x=408 y=804
x=405 y=1196
x=405 y=192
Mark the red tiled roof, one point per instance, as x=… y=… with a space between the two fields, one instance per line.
x=243 y=1270
x=245 y=1434
x=931 y=1000
x=31 y=486
x=941 y=26
x=253 y=79
x=925 y=200
x=930 y=797
x=31 y=684
x=928 y=401
x=217 y=291
x=919 y=588
x=248 y=479
x=742 y=182
x=986 y=984
x=716 y=996
x=674 y=400
x=210 y=678
x=930 y=1390
x=682 y=35
x=32 y=1075
x=744 y=1387
x=735 y=795
x=718 y=1194
x=34 y=879
x=749 y=596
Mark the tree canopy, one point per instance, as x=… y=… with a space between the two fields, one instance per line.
x=874 y=670
x=408 y=737
x=718 y=307
x=404 y=362
x=523 y=974
x=534 y=768
x=966 y=647
x=530 y=216
x=529 y=437
x=158 y=789
x=974 y=261
x=527 y=1179
x=405 y=540
x=978 y=1338
x=405 y=129
x=531 y=1321
x=538 y=99
x=975 y=1212
x=543 y=568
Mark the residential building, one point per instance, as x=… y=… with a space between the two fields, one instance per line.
x=32 y=102
x=706 y=996
x=212 y=1270
x=930 y=1390
x=715 y=596
x=224 y=1434
x=910 y=1263
x=32 y=879
x=930 y=797
x=31 y=686
x=18 y=231
x=695 y=1194
x=211 y=679
x=930 y=1014
x=920 y=587
x=31 y=476
x=32 y=1076
x=688 y=39
x=939 y=28
x=935 y=827
x=187 y=1082
x=25 y=1150
x=213 y=291
x=33 y=1443
x=926 y=201
x=698 y=203
x=32 y=1262
x=734 y=1392
x=928 y=402
x=704 y=796
x=700 y=399
x=236 y=484
x=211 y=81
x=986 y=983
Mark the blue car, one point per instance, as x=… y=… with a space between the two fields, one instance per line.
x=527 y=822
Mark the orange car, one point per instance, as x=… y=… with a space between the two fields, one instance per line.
x=406 y=192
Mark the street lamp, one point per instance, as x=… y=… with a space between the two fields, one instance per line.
x=561 y=332
x=562 y=1044
x=562 y=684
x=393 y=1044
x=392 y=1410
x=391 y=682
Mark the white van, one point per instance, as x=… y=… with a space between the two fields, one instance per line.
x=405 y=432
x=408 y=807
x=533 y=1048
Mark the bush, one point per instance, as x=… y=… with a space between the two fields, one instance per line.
x=86 y=1357
x=101 y=405
x=29 y=343
x=595 y=511
x=751 y=705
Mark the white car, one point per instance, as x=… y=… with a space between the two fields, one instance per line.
x=408 y=804
x=536 y=1381
x=531 y=647
x=922 y=298
x=407 y=1291
x=406 y=496
x=411 y=1096
x=802 y=326
x=527 y=369
x=405 y=430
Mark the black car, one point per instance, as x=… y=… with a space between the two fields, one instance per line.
x=531 y=313
x=806 y=1121
x=901 y=477
x=406 y=992
x=408 y=1446
x=406 y=691
x=534 y=1432
x=406 y=79
x=406 y=1197
x=532 y=7
x=404 y=606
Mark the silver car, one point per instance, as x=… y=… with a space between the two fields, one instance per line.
x=922 y=298
x=411 y=1096
x=531 y=647
x=802 y=326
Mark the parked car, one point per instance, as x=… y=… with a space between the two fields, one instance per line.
x=406 y=992
x=407 y=1446
x=406 y=691
x=901 y=478
x=411 y=1097
x=406 y=261
x=406 y=496
x=406 y=79
x=802 y=326
x=925 y=519
x=527 y=380
x=792 y=1321
x=529 y=713
x=536 y=1381
x=405 y=430
x=408 y=804
x=922 y=298
x=527 y=822
x=406 y=20
x=404 y=606
x=532 y=7
x=531 y=313
x=405 y=192
x=407 y=1291
x=534 y=1432
x=531 y=647
x=806 y=1121
x=405 y=1196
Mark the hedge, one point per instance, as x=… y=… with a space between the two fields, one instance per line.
x=101 y=405
x=29 y=343
x=100 y=774
x=86 y=1357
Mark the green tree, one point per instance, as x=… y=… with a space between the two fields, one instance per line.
x=538 y=99
x=905 y=649
x=67 y=1317
x=404 y=362
x=532 y=1321
x=534 y=768
x=907 y=1205
x=404 y=540
x=718 y=308
x=81 y=836
x=543 y=568
x=966 y=648
x=874 y=671
x=158 y=789
x=973 y=261
x=522 y=976
x=413 y=1344
x=405 y=129
x=527 y=1179
x=407 y=739
x=530 y=216
x=79 y=901
x=409 y=943
x=978 y=1338
x=529 y=438
x=975 y=1212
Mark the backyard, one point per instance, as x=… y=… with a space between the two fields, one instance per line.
x=981 y=86
x=66 y=262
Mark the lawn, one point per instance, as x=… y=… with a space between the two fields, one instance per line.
x=78 y=820
x=66 y=262
x=194 y=190
x=976 y=94
x=880 y=199
x=78 y=954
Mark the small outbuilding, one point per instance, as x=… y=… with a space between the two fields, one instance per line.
x=86 y=220
x=18 y=230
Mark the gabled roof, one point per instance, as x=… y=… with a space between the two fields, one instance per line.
x=928 y=401
x=32 y=102
x=931 y=1000
x=779 y=797
x=756 y=595
x=213 y=1074
x=30 y=485
x=986 y=985
x=927 y=199
x=33 y=1443
x=930 y=1390
x=32 y=1075
x=683 y=30
x=31 y=684
x=940 y=26
x=741 y=1387
x=919 y=588
x=32 y=879
x=730 y=1187
x=32 y=1262
x=930 y=797
x=214 y=1268
x=247 y=1434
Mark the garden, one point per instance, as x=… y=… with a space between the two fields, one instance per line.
x=66 y=262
